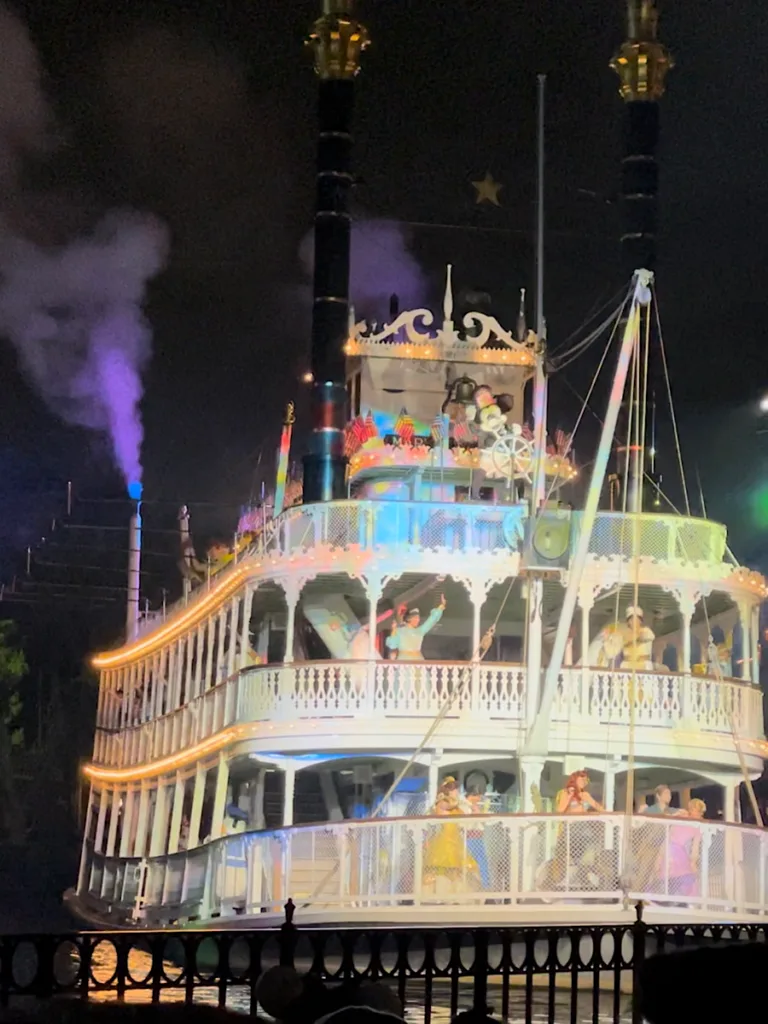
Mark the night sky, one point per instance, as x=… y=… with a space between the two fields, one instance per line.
x=203 y=115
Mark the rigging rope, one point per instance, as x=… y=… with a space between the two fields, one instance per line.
x=481 y=651
x=678 y=449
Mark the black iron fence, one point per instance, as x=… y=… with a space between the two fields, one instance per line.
x=531 y=974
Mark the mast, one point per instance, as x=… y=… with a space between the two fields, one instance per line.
x=537 y=742
x=641 y=64
x=540 y=379
x=338 y=41
x=538 y=493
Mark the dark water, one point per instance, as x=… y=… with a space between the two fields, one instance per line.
x=238 y=997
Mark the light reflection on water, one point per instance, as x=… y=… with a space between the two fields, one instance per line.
x=238 y=996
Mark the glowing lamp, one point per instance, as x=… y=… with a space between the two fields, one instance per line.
x=764 y=403
x=308 y=377
x=135 y=490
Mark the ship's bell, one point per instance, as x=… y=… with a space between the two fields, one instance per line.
x=464 y=390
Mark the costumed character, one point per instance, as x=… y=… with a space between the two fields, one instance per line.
x=407 y=636
x=637 y=652
x=606 y=647
x=446 y=861
x=479 y=803
x=575 y=855
x=720 y=656
x=486 y=411
x=648 y=839
x=191 y=568
x=681 y=863
x=356 y=638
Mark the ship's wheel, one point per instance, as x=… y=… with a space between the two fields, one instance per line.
x=512 y=455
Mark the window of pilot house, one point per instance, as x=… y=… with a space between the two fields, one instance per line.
x=484 y=494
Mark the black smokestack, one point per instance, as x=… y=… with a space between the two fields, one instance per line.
x=641 y=64
x=338 y=41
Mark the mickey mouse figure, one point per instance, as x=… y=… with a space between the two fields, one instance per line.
x=489 y=411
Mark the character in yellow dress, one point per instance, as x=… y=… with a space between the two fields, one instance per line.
x=447 y=864
x=637 y=652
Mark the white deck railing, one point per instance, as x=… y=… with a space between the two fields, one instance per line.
x=465 y=526
x=369 y=869
x=483 y=527
x=372 y=692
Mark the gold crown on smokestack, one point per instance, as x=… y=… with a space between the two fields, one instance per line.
x=642 y=62
x=338 y=41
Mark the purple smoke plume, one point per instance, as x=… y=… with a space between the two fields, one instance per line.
x=72 y=310
x=381 y=265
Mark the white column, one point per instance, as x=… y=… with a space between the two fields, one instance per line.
x=198 y=795
x=126 y=830
x=730 y=800
x=199 y=650
x=211 y=636
x=186 y=682
x=125 y=682
x=159 y=822
x=158 y=683
x=373 y=589
x=234 y=614
x=114 y=816
x=104 y=801
x=221 y=647
x=612 y=765
x=530 y=776
x=179 y=790
x=289 y=789
x=245 y=630
x=533 y=650
x=687 y=608
x=586 y=603
x=173 y=659
x=257 y=801
x=220 y=799
x=433 y=778
x=755 y=647
x=292 y=595
x=140 y=846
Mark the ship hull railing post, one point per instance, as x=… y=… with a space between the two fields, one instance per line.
x=537 y=739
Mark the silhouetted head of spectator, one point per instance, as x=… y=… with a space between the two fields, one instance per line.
x=713 y=984
x=277 y=989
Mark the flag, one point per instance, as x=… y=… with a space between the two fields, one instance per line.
x=561 y=441
x=404 y=427
x=370 y=427
x=438 y=429
x=352 y=441
x=358 y=428
x=526 y=432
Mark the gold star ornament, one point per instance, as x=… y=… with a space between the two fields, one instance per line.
x=487 y=190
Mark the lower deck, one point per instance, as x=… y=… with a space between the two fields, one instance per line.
x=522 y=868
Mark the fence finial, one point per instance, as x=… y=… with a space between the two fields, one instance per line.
x=290 y=910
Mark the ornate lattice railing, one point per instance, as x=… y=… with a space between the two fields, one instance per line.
x=483 y=527
x=486 y=691
x=351 y=869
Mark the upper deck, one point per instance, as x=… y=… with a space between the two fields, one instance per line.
x=196 y=682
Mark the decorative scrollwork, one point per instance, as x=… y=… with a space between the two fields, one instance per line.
x=406 y=321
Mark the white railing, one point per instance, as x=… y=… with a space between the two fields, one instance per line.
x=484 y=527
x=361 y=868
x=371 y=692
